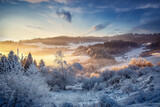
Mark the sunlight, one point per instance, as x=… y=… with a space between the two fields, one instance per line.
x=79 y=53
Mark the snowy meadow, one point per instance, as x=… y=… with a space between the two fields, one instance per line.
x=25 y=82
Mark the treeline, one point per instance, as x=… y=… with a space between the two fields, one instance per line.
x=154 y=45
x=12 y=61
x=57 y=77
x=107 y=49
x=138 y=38
x=64 y=40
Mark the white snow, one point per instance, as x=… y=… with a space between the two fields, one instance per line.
x=126 y=58
x=80 y=98
x=155 y=58
x=129 y=55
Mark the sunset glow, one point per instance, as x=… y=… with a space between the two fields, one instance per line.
x=26 y=19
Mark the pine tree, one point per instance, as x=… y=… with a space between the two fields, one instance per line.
x=10 y=63
x=11 y=59
x=4 y=64
x=28 y=61
x=41 y=64
x=35 y=63
x=14 y=61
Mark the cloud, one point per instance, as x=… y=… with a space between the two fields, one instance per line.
x=103 y=7
x=149 y=5
x=34 y=27
x=64 y=1
x=122 y=9
x=148 y=26
x=35 y=1
x=144 y=6
x=131 y=5
x=117 y=29
x=66 y=15
x=97 y=28
x=68 y=1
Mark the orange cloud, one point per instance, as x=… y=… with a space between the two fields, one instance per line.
x=35 y=1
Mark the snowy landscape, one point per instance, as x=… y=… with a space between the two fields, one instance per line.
x=132 y=81
x=79 y=53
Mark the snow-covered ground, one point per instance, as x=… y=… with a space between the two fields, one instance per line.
x=119 y=86
x=124 y=59
x=122 y=92
x=155 y=58
x=83 y=98
x=134 y=53
x=79 y=98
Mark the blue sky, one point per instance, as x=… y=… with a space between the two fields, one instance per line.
x=26 y=19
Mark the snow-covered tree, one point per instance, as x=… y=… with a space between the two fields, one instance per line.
x=59 y=60
x=75 y=68
x=12 y=60
x=41 y=64
x=106 y=101
x=35 y=63
x=61 y=63
x=21 y=90
x=66 y=104
x=10 y=63
x=32 y=69
x=89 y=83
x=65 y=77
x=4 y=64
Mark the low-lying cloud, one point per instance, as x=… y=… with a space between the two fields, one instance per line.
x=66 y=15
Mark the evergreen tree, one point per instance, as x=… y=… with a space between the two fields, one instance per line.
x=28 y=61
x=4 y=64
x=11 y=59
x=41 y=64
x=35 y=63
x=10 y=63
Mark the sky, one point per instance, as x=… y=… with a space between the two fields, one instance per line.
x=27 y=19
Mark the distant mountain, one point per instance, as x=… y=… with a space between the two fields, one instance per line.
x=139 y=38
x=64 y=40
